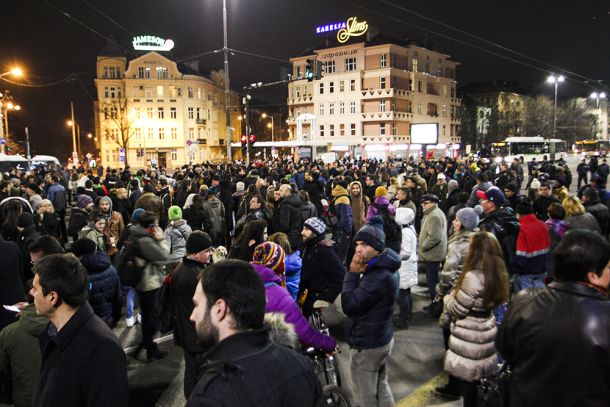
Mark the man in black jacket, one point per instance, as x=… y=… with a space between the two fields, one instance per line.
x=287 y=216
x=560 y=333
x=184 y=280
x=593 y=205
x=83 y=363
x=243 y=367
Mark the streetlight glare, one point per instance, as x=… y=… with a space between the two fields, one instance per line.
x=561 y=78
x=602 y=95
x=17 y=107
x=264 y=115
x=70 y=123
x=594 y=95
x=269 y=125
x=17 y=72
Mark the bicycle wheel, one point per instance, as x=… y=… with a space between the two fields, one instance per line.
x=335 y=397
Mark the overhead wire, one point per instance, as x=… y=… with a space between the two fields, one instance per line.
x=41 y=85
x=108 y=18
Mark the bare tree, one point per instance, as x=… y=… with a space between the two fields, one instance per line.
x=118 y=125
x=539 y=117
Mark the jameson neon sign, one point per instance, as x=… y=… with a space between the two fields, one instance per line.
x=151 y=43
x=350 y=28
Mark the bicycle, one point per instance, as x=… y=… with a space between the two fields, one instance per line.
x=325 y=365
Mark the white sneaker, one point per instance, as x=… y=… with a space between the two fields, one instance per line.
x=130 y=322
x=139 y=318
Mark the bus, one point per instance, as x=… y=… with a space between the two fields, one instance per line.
x=529 y=148
x=592 y=148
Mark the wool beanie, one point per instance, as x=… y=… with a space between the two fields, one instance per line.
x=535 y=184
x=174 y=213
x=316 y=225
x=34 y=188
x=198 y=241
x=371 y=235
x=82 y=201
x=381 y=191
x=270 y=255
x=136 y=215
x=25 y=219
x=524 y=207
x=469 y=217
x=83 y=246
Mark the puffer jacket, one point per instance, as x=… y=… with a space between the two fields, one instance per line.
x=152 y=254
x=472 y=354
x=279 y=300
x=408 y=248
x=457 y=247
x=433 y=235
x=368 y=301
x=175 y=235
x=293 y=263
x=374 y=207
x=103 y=286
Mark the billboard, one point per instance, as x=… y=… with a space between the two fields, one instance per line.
x=425 y=133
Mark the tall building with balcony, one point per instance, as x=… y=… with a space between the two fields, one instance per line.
x=151 y=110
x=372 y=90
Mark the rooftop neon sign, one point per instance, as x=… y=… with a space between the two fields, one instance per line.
x=346 y=29
x=151 y=43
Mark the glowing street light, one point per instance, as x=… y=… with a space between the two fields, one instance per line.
x=553 y=79
x=16 y=72
x=269 y=125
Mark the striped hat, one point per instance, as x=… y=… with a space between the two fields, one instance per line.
x=270 y=255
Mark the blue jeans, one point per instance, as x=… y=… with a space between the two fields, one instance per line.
x=130 y=300
x=432 y=268
x=523 y=281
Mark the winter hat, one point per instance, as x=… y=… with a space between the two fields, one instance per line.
x=174 y=213
x=240 y=186
x=25 y=219
x=316 y=225
x=136 y=214
x=213 y=190
x=371 y=235
x=430 y=198
x=34 y=188
x=469 y=217
x=270 y=255
x=441 y=176
x=83 y=200
x=525 y=207
x=381 y=191
x=83 y=246
x=535 y=184
x=452 y=185
x=493 y=194
x=198 y=241
x=512 y=186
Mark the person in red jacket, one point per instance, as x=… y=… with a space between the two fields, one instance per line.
x=533 y=245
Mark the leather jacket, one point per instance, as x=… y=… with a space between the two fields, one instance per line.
x=557 y=341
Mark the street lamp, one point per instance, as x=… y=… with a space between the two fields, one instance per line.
x=555 y=80
x=72 y=124
x=270 y=125
x=598 y=97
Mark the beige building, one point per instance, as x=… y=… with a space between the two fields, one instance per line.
x=162 y=113
x=370 y=94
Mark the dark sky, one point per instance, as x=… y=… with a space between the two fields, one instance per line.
x=573 y=35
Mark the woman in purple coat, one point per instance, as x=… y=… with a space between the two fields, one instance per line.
x=268 y=261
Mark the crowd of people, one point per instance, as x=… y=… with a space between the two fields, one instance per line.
x=248 y=252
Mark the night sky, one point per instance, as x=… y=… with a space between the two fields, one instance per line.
x=573 y=35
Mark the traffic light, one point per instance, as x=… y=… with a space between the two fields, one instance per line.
x=244 y=144
x=251 y=142
x=318 y=69
x=310 y=70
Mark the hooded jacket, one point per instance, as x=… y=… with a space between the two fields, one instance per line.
x=114 y=224
x=368 y=300
x=103 y=286
x=279 y=300
x=176 y=234
x=408 y=248
x=343 y=209
x=78 y=220
x=533 y=245
x=374 y=207
x=20 y=354
x=152 y=254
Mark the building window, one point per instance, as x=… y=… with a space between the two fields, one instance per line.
x=148 y=92
x=352 y=129
x=329 y=67
x=159 y=92
x=418 y=107
x=414 y=65
x=189 y=92
x=350 y=64
x=162 y=72
x=342 y=130
x=199 y=93
x=384 y=60
x=321 y=109
x=332 y=130
x=331 y=87
x=382 y=83
x=298 y=91
x=321 y=130
x=341 y=107
x=137 y=133
x=420 y=86
x=331 y=108
x=151 y=134
x=143 y=72
x=382 y=106
x=341 y=86
x=149 y=112
x=382 y=129
x=160 y=113
x=136 y=113
x=444 y=110
x=352 y=107
x=174 y=155
x=161 y=133
x=452 y=92
x=393 y=130
x=172 y=113
x=191 y=133
x=198 y=113
x=321 y=88
x=174 y=133
x=191 y=113
x=352 y=85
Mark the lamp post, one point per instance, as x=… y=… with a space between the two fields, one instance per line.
x=270 y=125
x=227 y=89
x=555 y=80
x=7 y=103
x=598 y=97
x=77 y=138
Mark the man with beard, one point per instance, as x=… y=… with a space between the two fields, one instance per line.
x=184 y=280
x=242 y=363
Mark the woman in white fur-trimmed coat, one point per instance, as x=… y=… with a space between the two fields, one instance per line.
x=482 y=286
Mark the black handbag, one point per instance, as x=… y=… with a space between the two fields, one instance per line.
x=494 y=391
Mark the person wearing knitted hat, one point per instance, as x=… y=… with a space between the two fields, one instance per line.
x=79 y=214
x=271 y=255
x=369 y=293
x=176 y=235
x=381 y=203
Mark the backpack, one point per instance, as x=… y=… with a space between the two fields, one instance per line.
x=392 y=230
x=130 y=272
x=329 y=212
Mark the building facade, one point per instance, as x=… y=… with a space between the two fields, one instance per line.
x=151 y=111
x=370 y=94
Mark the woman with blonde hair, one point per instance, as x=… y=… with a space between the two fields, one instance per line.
x=481 y=287
x=577 y=217
x=46 y=220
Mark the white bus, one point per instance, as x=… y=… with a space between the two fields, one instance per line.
x=529 y=148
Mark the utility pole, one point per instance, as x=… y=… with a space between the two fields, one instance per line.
x=246 y=101
x=27 y=146
x=74 y=153
x=228 y=137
